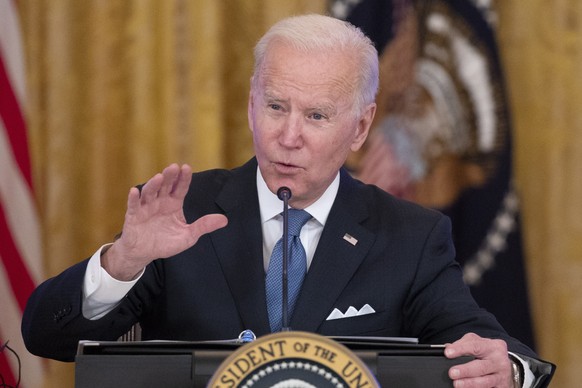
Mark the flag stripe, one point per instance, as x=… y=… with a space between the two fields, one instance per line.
x=14 y=122
x=19 y=210
x=11 y=48
x=20 y=245
x=18 y=276
x=16 y=193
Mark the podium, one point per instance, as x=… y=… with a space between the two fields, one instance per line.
x=192 y=364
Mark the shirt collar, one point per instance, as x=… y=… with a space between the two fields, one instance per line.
x=271 y=206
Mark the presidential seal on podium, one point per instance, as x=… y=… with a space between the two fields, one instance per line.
x=293 y=359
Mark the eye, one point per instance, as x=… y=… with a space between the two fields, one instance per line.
x=317 y=116
x=275 y=106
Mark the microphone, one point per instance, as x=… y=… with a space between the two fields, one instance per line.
x=284 y=194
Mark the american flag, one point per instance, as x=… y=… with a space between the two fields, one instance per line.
x=20 y=240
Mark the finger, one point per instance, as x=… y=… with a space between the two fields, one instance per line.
x=479 y=373
x=473 y=345
x=474 y=368
x=171 y=175
x=133 y=201
x=461 y=346
x=207 y=224
x=481 y=381
x=183 y=182
x=151 y=189
x=491 y=358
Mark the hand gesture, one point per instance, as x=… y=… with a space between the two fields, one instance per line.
x=490 y=368
x=155 y=226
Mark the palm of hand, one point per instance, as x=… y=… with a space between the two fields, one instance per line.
x=157 y=229
x=155 y=226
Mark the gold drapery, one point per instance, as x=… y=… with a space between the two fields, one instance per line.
x=120 y=88
x=541 y=44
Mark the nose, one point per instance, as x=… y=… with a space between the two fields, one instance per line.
x=291 y=134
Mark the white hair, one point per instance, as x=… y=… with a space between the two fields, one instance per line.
x=310 y=33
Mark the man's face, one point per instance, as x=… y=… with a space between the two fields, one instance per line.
x=303 y=121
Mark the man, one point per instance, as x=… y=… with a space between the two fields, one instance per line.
x=190 y=263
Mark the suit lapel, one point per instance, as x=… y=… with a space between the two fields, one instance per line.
x=239 y=250
x=239 y=247
x=337 y=254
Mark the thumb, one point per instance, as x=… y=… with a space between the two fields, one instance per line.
x=207 y=224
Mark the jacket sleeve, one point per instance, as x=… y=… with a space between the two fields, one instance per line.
x=53 y=322
x=439 y=306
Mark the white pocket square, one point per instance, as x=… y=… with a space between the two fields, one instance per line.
x=351 y=312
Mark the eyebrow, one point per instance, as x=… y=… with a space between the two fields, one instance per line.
x=324 y=107
x=268 y=95
x=271 y=97
x=328 y=109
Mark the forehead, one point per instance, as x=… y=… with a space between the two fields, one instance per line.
x=328 y=72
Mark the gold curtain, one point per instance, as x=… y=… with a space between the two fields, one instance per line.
x=541 y=45
x=118 y=89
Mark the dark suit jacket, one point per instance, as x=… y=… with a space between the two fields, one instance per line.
x=402 y=265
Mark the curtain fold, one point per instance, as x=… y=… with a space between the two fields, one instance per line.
x=118 y=89
x=542 y=50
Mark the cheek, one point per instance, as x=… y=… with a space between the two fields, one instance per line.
x=330 y=157
x=340 y=147
x=261 y=136
x=264 y=141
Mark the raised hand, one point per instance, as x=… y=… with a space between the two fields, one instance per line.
x=490 y=368
x=155 y=226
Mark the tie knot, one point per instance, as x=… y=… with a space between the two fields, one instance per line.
x=297 y=218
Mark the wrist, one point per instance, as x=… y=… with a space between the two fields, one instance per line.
x=116 y=266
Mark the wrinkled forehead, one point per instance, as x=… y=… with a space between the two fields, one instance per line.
x=325 y=70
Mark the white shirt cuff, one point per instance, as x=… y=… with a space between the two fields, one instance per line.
x=102 y=292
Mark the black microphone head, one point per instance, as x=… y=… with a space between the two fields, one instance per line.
x=284 y=192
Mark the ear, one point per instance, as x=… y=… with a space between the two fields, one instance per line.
x=363 y=127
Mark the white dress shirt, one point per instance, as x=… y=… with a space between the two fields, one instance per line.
x=272 y=220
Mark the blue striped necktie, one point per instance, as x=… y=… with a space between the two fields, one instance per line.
x=296 y=270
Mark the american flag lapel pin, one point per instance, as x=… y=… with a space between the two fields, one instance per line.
x=351 y=239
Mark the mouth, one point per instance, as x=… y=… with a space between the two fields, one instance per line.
x=286 y=168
